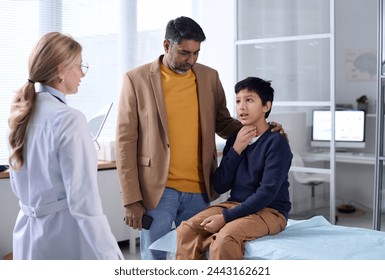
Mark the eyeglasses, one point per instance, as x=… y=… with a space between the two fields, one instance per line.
x=84 y=67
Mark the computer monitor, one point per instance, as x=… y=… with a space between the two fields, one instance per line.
x=349 y=128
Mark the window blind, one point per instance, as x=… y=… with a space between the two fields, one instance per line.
x=100 y=26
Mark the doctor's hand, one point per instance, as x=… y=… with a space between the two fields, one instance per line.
x=213 y=223
x=133 y=215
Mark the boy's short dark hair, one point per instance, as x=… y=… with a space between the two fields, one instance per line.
x=259 y=86
x=184 y=28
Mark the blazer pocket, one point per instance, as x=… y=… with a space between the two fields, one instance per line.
x=144 y=161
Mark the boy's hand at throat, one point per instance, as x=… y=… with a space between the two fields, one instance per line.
x=244 y=137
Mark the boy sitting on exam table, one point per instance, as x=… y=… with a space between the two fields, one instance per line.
x=254 y=168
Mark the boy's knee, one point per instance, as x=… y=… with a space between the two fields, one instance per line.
x=221 y=239
x=183 y=230
x=226 y=247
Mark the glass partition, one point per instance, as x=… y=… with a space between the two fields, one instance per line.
x=379 y=199
x=282 y=18
x=299 y=70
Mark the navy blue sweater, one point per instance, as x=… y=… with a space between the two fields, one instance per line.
x=257 y=178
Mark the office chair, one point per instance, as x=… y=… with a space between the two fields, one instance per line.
x=308 y=179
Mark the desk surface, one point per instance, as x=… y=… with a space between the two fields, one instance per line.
x=102 y=165
x=347 y=157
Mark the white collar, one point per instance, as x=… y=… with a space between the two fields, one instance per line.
x=252 y=141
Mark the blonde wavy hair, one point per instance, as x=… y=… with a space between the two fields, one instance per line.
x=52 y=51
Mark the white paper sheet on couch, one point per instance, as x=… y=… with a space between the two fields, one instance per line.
x=313 y=239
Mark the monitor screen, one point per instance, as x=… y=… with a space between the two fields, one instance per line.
x=349 y=128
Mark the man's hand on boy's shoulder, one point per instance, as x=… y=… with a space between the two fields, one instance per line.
x=278 y=127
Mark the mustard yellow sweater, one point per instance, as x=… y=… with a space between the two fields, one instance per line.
x=181 y=98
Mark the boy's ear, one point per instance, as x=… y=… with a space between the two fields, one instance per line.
x=267 y=106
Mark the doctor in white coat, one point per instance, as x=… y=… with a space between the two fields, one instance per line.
x=54 y=162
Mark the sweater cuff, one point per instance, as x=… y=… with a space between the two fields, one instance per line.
x=233 y=155
x=226 y=215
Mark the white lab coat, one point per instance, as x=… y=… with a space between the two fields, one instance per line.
x=60 y=164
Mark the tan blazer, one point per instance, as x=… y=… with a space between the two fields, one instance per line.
x=142 y=143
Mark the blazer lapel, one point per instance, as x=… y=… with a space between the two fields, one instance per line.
x=204 y=103
x=156 y=82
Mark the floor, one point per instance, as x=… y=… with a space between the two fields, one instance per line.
x=125 y=247
x=361 y=217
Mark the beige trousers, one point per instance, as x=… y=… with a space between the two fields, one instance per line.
x=228 y=243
